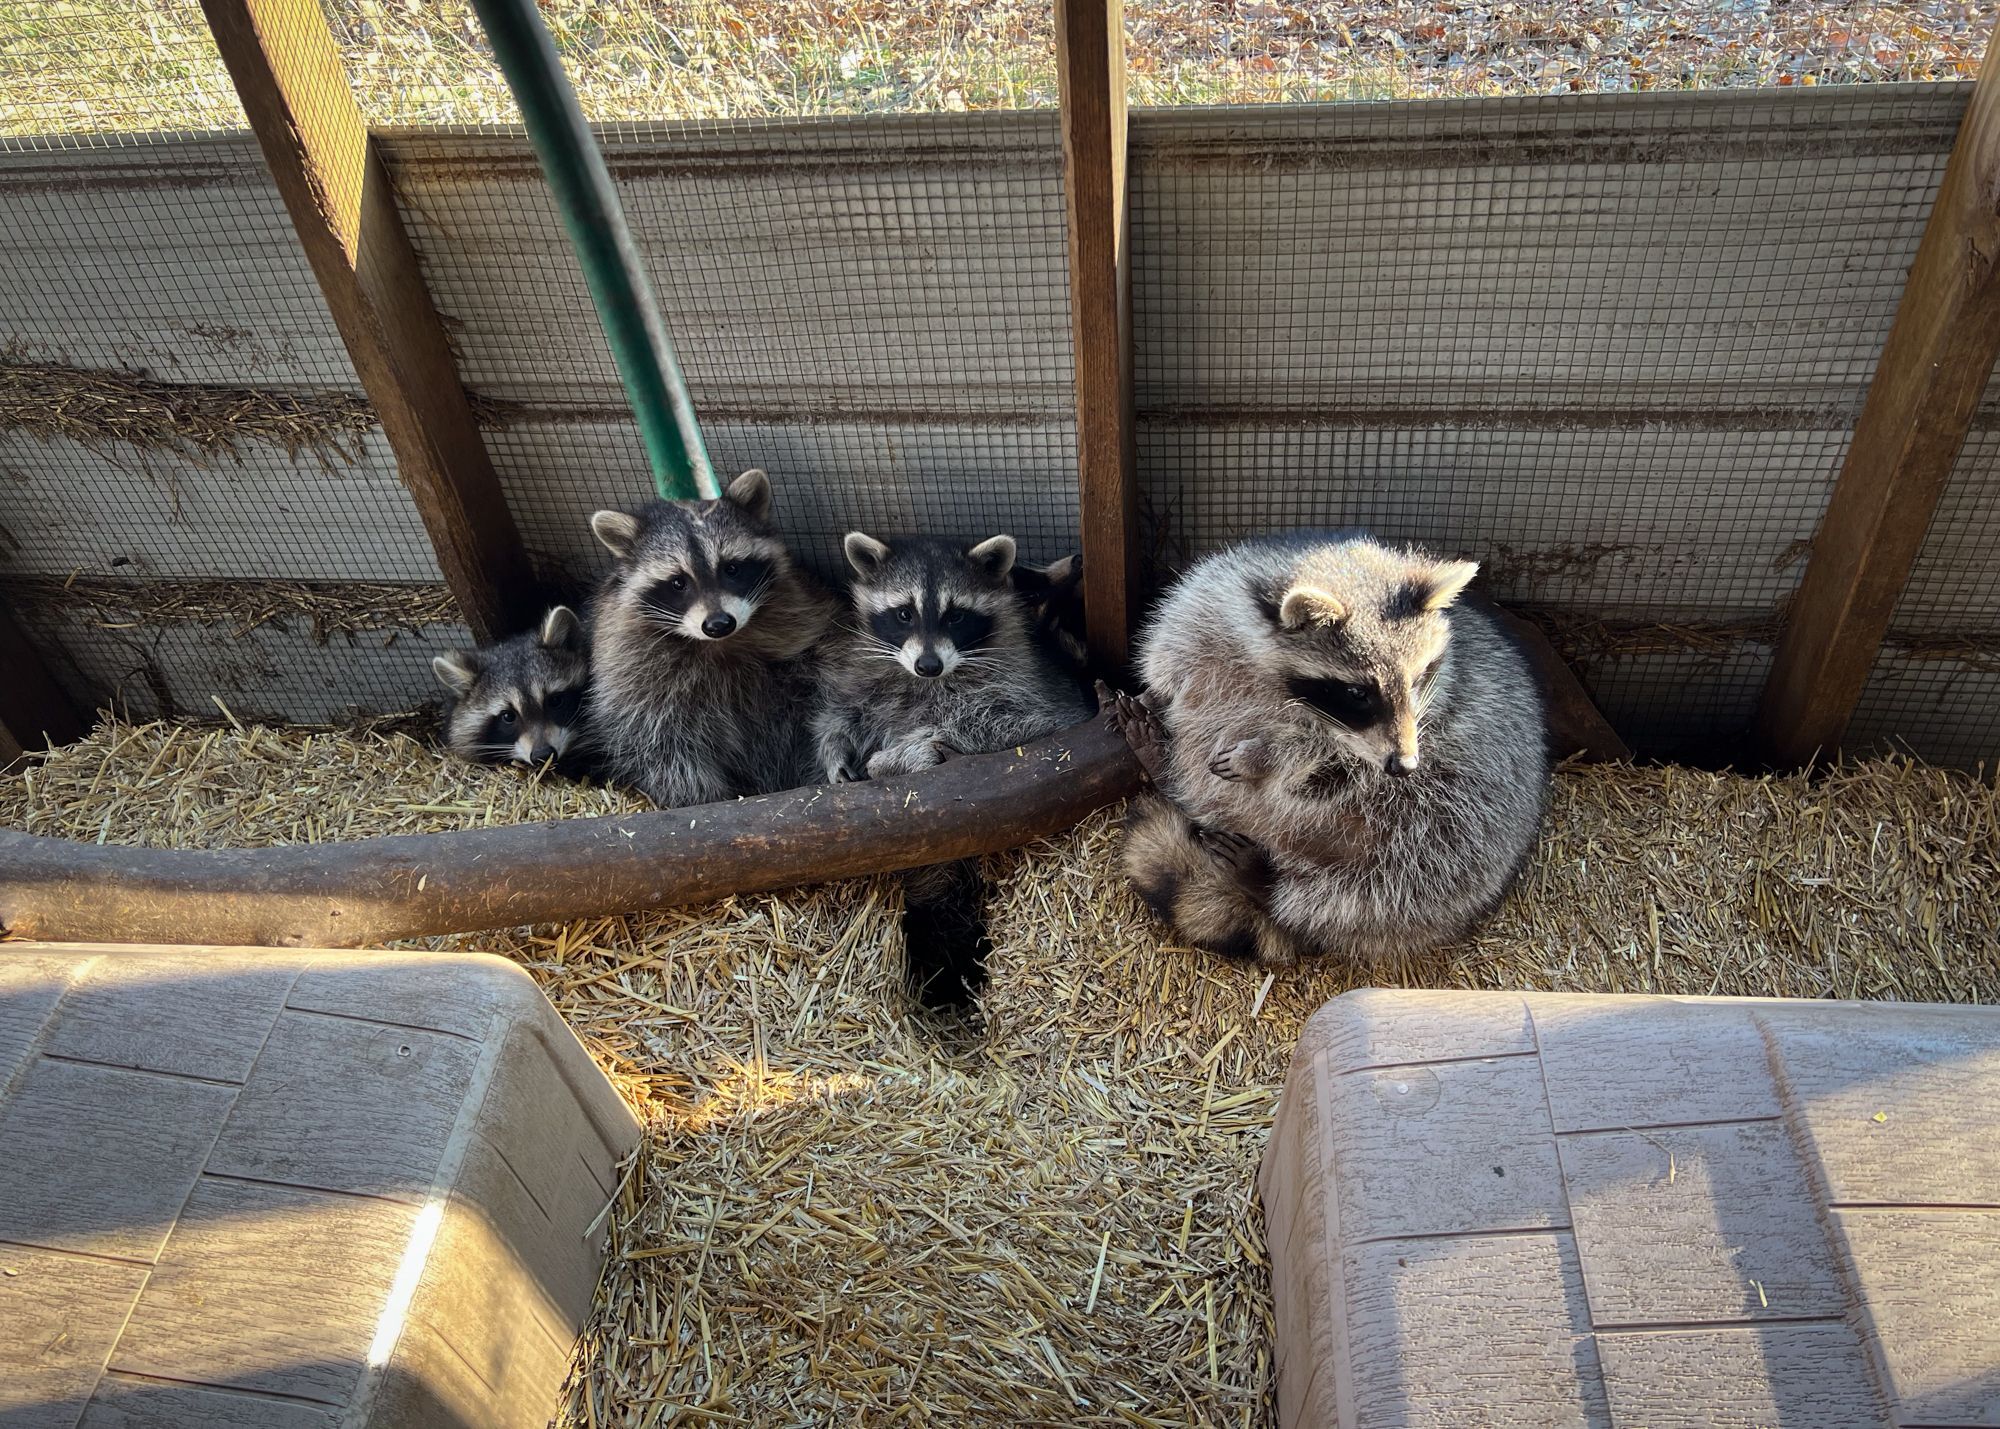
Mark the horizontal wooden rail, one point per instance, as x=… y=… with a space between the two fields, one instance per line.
x=342 y=895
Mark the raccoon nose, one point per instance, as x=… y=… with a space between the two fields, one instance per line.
x=542 y=754
x=929 y=665
x=718 y=625
x=1401 y=765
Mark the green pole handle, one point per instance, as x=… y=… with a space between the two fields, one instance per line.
x=595 y=221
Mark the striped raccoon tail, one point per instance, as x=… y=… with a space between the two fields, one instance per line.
x=1209 y=885
x=944 y=933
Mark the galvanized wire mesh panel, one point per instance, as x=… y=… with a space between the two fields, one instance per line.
x=1935 y=690
x=1613 y=347
x=182 y=434
x=873 y=309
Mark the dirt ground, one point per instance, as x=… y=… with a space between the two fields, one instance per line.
x=68 y=67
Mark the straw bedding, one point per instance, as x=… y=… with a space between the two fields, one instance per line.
x=845 y=1213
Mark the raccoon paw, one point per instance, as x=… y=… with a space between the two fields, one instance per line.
x=1245 y=759
x=1142 y=730
x=908 y=758
x=1232 y=849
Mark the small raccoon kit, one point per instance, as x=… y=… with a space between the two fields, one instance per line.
x=702 y=649
x=518 y=701
x=940 y=661
x=1356 y=756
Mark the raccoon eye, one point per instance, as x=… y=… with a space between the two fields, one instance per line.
x=508 y=716
x=1360 y=694
x=730 y=568
x=562 y=705
x=906 y=613
x=678 y=583
x=954 y=617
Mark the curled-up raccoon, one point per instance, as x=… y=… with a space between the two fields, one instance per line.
x=520 y=701
x=702 y=640
x=938 y=660
x=1054 y=597
x=1356 y=758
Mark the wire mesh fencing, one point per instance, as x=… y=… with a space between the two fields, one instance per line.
x=1611 y=345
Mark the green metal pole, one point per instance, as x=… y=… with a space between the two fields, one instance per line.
x=595 y=221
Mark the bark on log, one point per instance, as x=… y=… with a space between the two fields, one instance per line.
x=406 y=886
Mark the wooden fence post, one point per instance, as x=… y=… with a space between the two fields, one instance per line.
x=1927 y=387
x=1090 y=66
x=34 y=711
x=288 y=73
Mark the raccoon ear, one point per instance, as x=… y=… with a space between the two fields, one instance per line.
x=996 y=553
x=752 y=491
x=618 y=530
x=1441 y=585
x=1067 y=571
x=560 y=630
x=458 y=671
x=1305 y=605
x=864 y=553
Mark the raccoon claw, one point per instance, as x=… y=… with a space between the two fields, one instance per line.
x=1245 y=759
x=1142 y=732
x=1233 y=849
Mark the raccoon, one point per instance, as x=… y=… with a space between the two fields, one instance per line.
x=520 y=701
x=939 y=661
x=1054 y=597
x=701 y=650
x=1356 y=757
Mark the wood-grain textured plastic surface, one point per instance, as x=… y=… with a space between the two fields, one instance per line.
x=1493 y=1209
x=285 y=1189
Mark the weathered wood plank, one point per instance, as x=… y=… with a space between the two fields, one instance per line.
x=348 y=894
x=192 y=1014
x=1895 y=1114
x=126 y=1401
x=1457 y=1149
x=1929 y=382
x=1636 y=1062
x=1741 y=1378
x=1371 y=1027
x=1930 y=1299
x=1734 y=1204
x=30 y=989
x=268 y=1288
x=385 y=1101
x=99 y=1159
x=1421 y=1313
x=1090 y=67
x=65 y=1303
x=269 y=515
x=288 y=73
x=34 y=711
x=274 y=672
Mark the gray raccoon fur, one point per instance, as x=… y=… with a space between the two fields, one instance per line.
x=1356 y=758
x=521 y=700
x=936 y=661
x=702 y=647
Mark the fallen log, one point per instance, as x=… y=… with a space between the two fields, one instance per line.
x=406 y=886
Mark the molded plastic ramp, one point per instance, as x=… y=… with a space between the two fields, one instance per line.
x=282 y=1189
x=1504 y=1210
